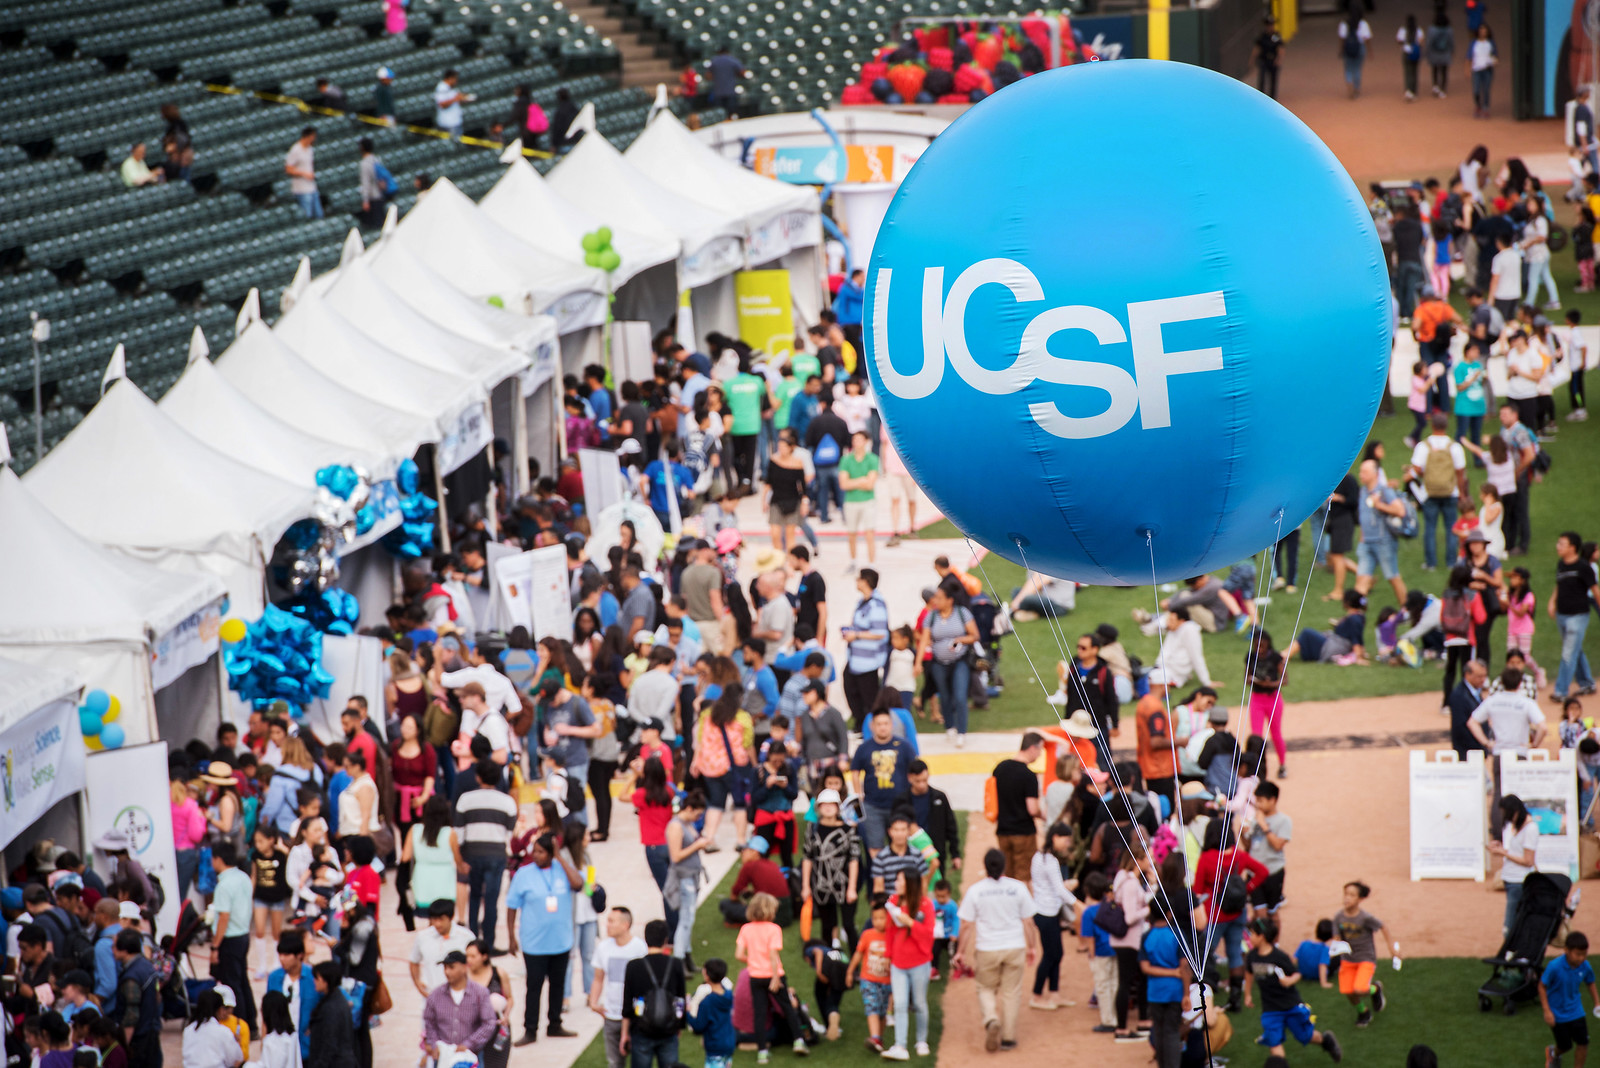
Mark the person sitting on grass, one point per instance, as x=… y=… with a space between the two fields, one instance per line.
x=1282 y=1008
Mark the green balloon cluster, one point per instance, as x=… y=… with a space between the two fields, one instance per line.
x=597 y=250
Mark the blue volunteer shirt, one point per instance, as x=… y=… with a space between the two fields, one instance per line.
x=1087 y=928
x=1564 y=986
x=543 y=900
x=1161 y=949
x=656 y=472
x=1309 y=956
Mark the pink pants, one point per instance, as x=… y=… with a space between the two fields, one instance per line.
x=1441 y=279
x=1268 y=707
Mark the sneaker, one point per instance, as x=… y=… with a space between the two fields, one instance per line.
x=1240 y=624
x=801 y=1049
x=922 y=1049
x=560 y=1032
x=850 y=568
x=874 y=1044
x=950 y=734
x=1410 y=442
x=1128 y=1039
x=1554 y=305
x=894 y=539
x=895 y=1053
x=1291 y=588
x=259 y=974
x=528 y=1038
x=961 y=739
x=1104 y=1029
x=833 y=1027
x=763 y=1056
x=1094 y=1003
x=1364 y=1019
x=1007 y=1043
x=1577 y=415
x=1278 y=583
x=1550 y=1057
x=991 y=1035
x=1043 y=1006
x=1379 y=1002
x=1025 y=616
x=1410 y=96
x=1330 y=1046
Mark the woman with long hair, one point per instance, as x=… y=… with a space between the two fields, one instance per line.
x=359 y=811
x=432 y=857
x=605 y=751
x=415 y=767
x=586 y=636
x=188 y=833
x=1460 y=610
x=613 y=654
x=1517 y=850
x=280 y=1047
x=106 y=1037
x=1354 y=33
x=652 y=801
x=407 y=692
x=724 y=755
x=1128 y=891
x=949 y=634
x=585 y=921
x=910 y=962
x=207 y=1042
x=481 y=969
x=1051 y=889
x=1440 y=48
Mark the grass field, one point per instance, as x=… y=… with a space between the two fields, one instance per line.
x=1567 y=499
x=713 y=939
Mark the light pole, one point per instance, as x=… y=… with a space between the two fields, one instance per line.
x=40 y=333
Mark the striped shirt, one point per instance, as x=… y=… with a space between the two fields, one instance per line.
x=870 y=654
x=886 y=864
x=486 y=818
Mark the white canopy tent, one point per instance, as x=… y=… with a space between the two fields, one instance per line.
x=72 y=606
x=131 y=478
x=525 y=205
x=207 y=406
x=449 y=232
x=44 y=758
x=597 y=178
x=262 y=367
x=455 y=404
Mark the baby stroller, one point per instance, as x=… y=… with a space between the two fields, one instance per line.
x=1540 y=914
x=993 y=625
x=171 y=959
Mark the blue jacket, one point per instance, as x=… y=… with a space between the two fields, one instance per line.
x=308 y=1003
x=848 y=304
x=713 y=1021
x=105 y=965
x=280 y=807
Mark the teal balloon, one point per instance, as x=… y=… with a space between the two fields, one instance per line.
x=592 y=242
x=610 y=260
x=112 y=736
x=592 y=259
x=604 y=234
x=97 y=701
x=89 y=721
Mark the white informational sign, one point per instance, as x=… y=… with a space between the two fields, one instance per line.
x=1550 y=790
x=550 y=593
x=1447 y=817
x=189 y=643
x=356 y=663
x=41 y=762
x=128 y=793
x=632 y=358
x=499 y=618
x=513 y=581
x=469 y=435
x=602 y=480
x=546 y=361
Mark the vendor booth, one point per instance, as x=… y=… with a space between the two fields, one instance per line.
x=43 y=755
x=129 y=628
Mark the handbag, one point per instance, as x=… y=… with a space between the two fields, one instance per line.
x=382 y=1000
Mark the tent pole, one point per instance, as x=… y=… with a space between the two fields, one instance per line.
x=438 y=488
x=519 y=439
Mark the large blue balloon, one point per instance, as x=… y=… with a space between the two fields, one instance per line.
x=1130 y=299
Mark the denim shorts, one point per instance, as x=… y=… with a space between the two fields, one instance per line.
x=875 y=998
x=1384 y=554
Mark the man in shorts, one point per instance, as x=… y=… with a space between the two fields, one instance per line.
x=1282 y=1009
x=901 y=488
x=1379 y=547
x=858 y=474
x=1561 y=997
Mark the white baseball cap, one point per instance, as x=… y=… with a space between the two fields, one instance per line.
x=828 y=797
x=385 y=74
x=128 y=910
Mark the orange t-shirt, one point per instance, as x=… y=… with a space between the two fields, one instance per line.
x=1155 y=733
x=758 y=939
x=874 y=946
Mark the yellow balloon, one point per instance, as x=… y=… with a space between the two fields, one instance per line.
x=93 y=741
x=232 y=630
x=113 y=710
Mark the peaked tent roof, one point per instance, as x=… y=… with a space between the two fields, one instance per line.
x=26 y=688
x=130 y=477
x=597 y=178
x=689 y=167
x=62 y=587
x=336 y=348
x=262 y=367
x=366 y=302
x=206 y=405
x=525 y=204
x=447 y=230
x=436 y=297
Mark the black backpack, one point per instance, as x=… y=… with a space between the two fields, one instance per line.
x=68 y=941
x=1235 y=895
x=660 y=1015
x=1352 y=43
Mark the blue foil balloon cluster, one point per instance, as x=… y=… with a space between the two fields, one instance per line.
x=349 y=490
x=333 y=611
x=280 y=659
x=413 y=538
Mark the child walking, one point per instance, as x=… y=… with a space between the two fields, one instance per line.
x=1561 y=997
x=946 y=924
x=1521 y=608
x=1103 y=963
x=710 y=1014
x=871 y=963
x=1358 y=969
x=1282 y=1008
x=1577 y=357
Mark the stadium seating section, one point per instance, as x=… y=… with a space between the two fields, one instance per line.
x=84 y=79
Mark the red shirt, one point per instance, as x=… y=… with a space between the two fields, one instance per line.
x=1213 y=865
x=910 y=947
x=762 y=876
x=365 y=882
x=364 y=744
x=653 y=820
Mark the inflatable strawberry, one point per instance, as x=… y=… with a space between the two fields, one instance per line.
x=907 y=79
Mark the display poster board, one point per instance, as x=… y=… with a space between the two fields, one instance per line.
x=1548 y=784
x=1447 y=816
x=128 y=792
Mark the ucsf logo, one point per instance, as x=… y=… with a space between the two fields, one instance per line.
x=944 y=334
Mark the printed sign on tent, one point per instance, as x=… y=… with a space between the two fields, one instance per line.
x=1447 y=819
x=469 y=435
x=513 y=580
x=41 y=762
x=602 y=479
x=1550 y=790
x=549 y=593
x=766 y=311
x=128 y=793
x=189 y=643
